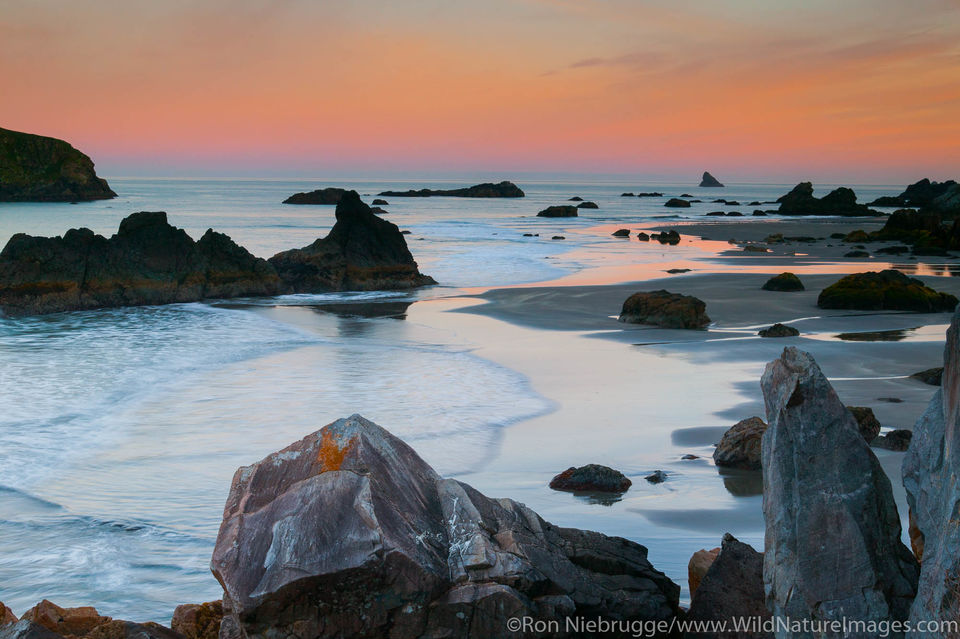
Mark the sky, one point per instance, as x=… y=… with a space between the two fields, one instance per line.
x=860 y=91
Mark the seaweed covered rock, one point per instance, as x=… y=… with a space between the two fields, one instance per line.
x=740 y=445
x=34 y=168
x=592 y=477
x=665 y=309
x=361 y=252
x=886 y=290
x=487 y=189
x=330 y=195
x=349 y=533
x=832 y=543
x=559 y=210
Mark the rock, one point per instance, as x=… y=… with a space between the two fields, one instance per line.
x=734 y=214
x=65 y=621
x=716 y=214
x=650 y=194
x=856 y=254
x=783 y=282
x=897 y=439
x=675 y=271
x=117 y=629
x=759 y=213
x=591 y=478
x=689 y=456
x=932 y=376
x=731 y=590
x=841 y=201
x=361 y=252
x=621 y=233
x=34 y=168
x=380 y=202
x=198 y=621
x=751 y=248
x=561 y=210
x=832 y=544
x=6 y=615
x=778 y=330
x=487 y=189
x=867 y=422
x=643 y=237
x=698 y=566
x=330 y=195
x=892 y=250
x=349 y=533
x=575 y=198
x=886 y=290
x=677 y=203
x=888 y=200
x=656 y=477
x=670 y=237
x=26 y=629
x=709 y=181
x=740 y=445
x=926 y=195
x=627 y=194
x=558 y=237
x=588 y=205
x=665 y=309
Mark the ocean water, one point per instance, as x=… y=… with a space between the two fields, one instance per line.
x=120 y=429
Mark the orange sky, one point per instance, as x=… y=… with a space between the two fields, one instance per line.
x=859 y=90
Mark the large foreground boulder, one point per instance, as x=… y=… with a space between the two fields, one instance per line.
x=888 y=290
x=349 y=533
x=832 y=544
x=665 y=309
x=361 y=252
x=330 y=195
x=34 y=168
x=840 y=201
x=931 y=476
x=732 y=591
x=740 y=445
x=487 y=189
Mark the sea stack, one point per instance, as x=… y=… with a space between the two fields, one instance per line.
x=34 y=168
x=710 y=181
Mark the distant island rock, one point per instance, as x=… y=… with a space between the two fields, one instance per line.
x=34 y=168
x=841 y=201
x=149 y=261
x=710 y=181
x=487 y=189
x=330 y=195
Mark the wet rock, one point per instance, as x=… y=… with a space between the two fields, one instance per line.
x=886 y=290
x=6 y=615
x=65 y=621
x=643 y=237
x=621 y=233
x=675 y=271
x=34 y=168
x=558 y=237
x=485 y=190
x=867 y=422
x=841 y=201
x=117 y=629
x=656 y=477
x=670 y=237
x=362 y=252
x=783 y=282
x=778 y=330
x=592 y=478
x=698 y=566
x=740 y=446
x=348 y=533
x=588 y=205
x=897 y=440
x=329 y=196
x=665 y=309
x=709 y=181
x=560 y=210
x=198 y=621
x=932 y=376
x=731 y=589
x=677 y=203
x=26 y=629
x=833 y=546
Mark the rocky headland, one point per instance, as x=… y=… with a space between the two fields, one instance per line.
x=148 y=261
x=35 y=168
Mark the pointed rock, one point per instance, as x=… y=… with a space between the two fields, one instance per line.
x=832 y=547
x=709 y=181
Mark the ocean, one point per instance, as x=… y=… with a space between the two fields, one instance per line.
x=120 y=429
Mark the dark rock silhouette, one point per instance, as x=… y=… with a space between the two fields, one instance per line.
x=665 y=309
x=487 y=189
x=886 y=290
x=34 y=168
x=841 y=201
x=349 y=533
x=778 y=330
x=676 y=202
x=709 y=181
x=559 y=210
x=592 y=477
x=783 y=282
x=330 y=195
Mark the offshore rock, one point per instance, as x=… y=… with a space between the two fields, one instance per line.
x=487 y=189
x=349 y=533
x=329 y=195
x=709 y=181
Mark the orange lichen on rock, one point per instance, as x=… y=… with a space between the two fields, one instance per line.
x=331 y=453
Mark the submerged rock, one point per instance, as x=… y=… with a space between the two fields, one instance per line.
x=656 y=477
x=487 y=189
x=886 y=290
x=330 y=195
x=34 y=168
x=832 y=547
x=778 y=330
x=559 y=210
x=665 y=309
x=731 y=589
x=588 y=205
x=709 y=181
x=592 y=477
x=740 y=445
x=349 y=533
